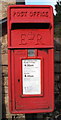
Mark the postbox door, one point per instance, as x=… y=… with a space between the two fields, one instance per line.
x=28 y=101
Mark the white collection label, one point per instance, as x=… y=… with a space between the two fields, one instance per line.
x=31 y=76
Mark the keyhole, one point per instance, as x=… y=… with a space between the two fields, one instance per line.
x=18 y=80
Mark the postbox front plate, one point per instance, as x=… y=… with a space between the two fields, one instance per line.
x=30 y=59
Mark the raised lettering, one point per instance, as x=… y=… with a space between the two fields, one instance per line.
x=31 y=36
x=23 y=39
x=38 y=40
x=30 y=14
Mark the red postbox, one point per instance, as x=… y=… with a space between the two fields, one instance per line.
x=30 y=58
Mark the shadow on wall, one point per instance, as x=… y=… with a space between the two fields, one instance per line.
x=3 y=29
x=58 y=77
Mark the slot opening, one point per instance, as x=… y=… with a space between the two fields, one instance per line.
x=31 y=26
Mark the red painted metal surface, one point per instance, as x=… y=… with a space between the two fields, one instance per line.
x=30 y=27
